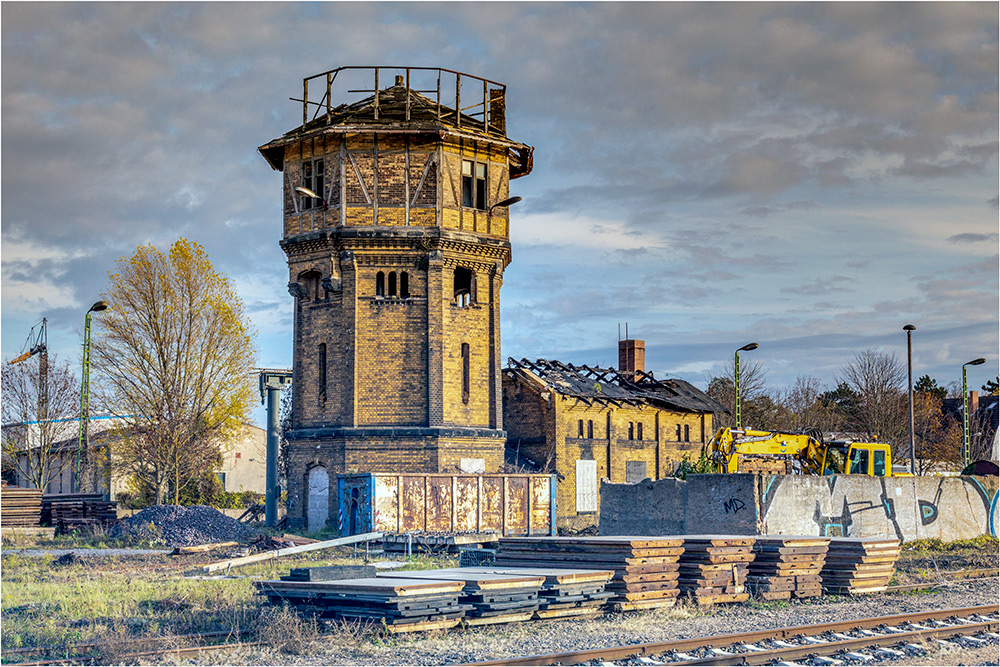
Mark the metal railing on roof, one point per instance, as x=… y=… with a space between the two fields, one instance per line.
x=487 y=113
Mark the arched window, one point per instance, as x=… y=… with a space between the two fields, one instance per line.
x=465 y=373
x=678 y=433
x=687 y=433
x=465 y=285
x=579 y=428
x=392 y=283
x=638 y=431
x=404 y=285
x=380 y=284
x=631 y=430
x=590 y=429
x=310 y=281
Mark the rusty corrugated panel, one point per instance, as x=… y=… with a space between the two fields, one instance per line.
x=540 y=505
x=466 y=501
x=412 y=503
x=439 y=501
x=492 y=504
x=517 y=505
x=386 y=504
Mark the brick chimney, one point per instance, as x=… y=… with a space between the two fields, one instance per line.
x=632 y=357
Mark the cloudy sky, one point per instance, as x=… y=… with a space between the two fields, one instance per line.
x=807 y=176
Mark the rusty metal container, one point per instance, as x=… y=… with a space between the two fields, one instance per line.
x=463 y=503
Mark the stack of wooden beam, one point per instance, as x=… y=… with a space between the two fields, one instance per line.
x=785 y=566
x=20 y=507
x=859 y=564
x=72 y=510
x=645 y=567
x=713 y=568
x=565 y=592
x=404 y=605
x=493 y=598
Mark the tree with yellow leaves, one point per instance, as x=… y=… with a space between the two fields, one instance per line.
x=175 y=353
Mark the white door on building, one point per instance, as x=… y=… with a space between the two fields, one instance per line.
x=318 y=505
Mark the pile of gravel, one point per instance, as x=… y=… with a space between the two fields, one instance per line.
x=177 y=526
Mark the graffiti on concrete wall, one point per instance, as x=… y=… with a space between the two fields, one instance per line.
x=855 y=506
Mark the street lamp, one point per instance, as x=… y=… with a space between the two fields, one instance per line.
x=500 y=204
x=909 y=329
x=736 y=386
x=965 y=410
x=85 y=394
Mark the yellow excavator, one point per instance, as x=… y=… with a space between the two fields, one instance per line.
x=805 y=453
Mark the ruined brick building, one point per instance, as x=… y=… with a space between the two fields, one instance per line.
x=396 y=236
x=587 y=424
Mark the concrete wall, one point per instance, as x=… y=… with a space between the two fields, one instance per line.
x=910 y=508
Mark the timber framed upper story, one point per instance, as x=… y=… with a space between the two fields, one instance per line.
x=399 y=158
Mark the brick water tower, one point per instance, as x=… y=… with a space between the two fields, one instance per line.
x=396 y=231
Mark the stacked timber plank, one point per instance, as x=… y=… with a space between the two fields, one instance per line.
x=20 y=507
x=565 y=592
x=493 y=598
x=787 y=566
x=713 y=568
x=404 y=605
x=72 y=510
x=645 y=568
x=859 y=565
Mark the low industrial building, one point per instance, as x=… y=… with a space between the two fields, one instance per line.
x=586 y=424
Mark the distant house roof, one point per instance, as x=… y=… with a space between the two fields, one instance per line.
x=608 y=386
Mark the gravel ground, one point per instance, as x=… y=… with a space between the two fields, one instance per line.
x=177 y=526
x=347 y=646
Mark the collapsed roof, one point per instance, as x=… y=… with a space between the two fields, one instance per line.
x=608 y=386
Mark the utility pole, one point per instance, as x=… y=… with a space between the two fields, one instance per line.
x=271 y=383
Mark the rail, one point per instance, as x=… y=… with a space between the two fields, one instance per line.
x=487 y=112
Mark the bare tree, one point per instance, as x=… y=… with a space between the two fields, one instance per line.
x=877 y=380
x=937 y=436
x=30 y=411
x=806 y=407
x=175 y=352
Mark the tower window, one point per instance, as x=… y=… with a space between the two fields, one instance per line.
x=392 y=283
x=465 y=373
x=322 y=374
x=474 y=185
x=465 y=285
x=380 y=284
x=312 y=178
x=404 y=285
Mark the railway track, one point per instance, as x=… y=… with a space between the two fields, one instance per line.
x=858 y=641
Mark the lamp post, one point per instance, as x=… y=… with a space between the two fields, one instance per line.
x=85 y=395
x=965 y=410
x=510 y=201
x=736 y=384
x=909 y=329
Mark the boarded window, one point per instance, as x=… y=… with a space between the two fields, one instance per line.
x=635 y=471
x=586 y=486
